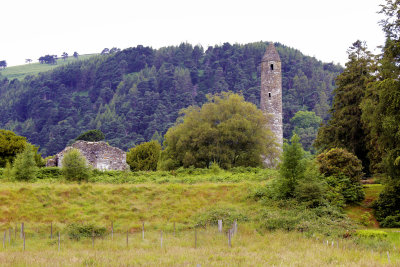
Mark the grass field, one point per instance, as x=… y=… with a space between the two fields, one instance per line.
x=248 y=248
x=270 y=232
x=19 y=72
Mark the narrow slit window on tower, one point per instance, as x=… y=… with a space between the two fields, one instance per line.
x=269 y=95
x=272 y=66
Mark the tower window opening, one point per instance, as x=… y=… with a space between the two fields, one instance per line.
x=269 y=95
x=272 y=66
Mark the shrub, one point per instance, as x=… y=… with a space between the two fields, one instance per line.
x=77 y=231
x=25 y=168
x=144 y=157
x=378 y=234
x=344 y=172
x=91 y=136
x=74 y=167
x=388 y=205
x=227 y=214
x=49 y=173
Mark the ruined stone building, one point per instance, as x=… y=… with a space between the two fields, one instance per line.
x=271 y=91
x=99 y=155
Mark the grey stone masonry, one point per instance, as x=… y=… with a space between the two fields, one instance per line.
x=99 y=155
x=271 y=91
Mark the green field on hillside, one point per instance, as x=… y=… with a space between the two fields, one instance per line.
x=20 y=71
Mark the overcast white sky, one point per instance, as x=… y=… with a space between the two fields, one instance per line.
x=324 y=29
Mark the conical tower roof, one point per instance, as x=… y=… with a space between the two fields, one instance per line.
x=271 y=54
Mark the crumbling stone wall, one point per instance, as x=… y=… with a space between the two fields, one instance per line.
x=99 y=155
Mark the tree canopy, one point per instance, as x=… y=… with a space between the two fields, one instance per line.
x=91 y=136
x=226 y=130
x=10 y=145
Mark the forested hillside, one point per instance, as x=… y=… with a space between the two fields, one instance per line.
x=135 y=95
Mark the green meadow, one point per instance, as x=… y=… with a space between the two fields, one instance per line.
x=20 y=71
x=183 y=206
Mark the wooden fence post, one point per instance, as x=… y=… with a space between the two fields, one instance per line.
x=93 y=239
x=51 y=230
x=127 y=238
x=22 y=230
x=161 y=239
x=195 y=237
x=220 y=226
x=112 y=231
x=4 y=239
x=229 y=238
x=143 y=230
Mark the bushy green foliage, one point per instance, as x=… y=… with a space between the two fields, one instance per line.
x=91 y=136
x=49 y=173
x=10 y=145
x=77 y=231
x=388 y=205
x=344 y=172
x=377 y=234
x=144 y=157
x=227 y=130
x=74 y=166
x=24 y=167
x=228 y=214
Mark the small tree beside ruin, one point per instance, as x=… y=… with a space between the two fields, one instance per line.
x=74 y=166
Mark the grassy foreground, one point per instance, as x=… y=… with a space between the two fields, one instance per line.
x=249 y=248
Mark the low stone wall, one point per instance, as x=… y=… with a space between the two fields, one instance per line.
x=99 y=155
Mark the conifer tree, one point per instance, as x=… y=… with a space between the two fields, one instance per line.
x=25 y=168
x=345 y=128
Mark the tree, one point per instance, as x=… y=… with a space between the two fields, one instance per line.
x=91 y=136
x=345 y=128
x=344 y=173
x=28 y=60
x=226 y=130
x=105 y=51
x=74 y=166
x=292 y=168
x=3 y=64
x=64 y=56
x=10 y=145
x=305 y=125
x=76 y=55
x=25 y=168
x=144 y=157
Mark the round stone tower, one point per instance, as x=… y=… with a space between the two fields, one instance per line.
x=271 y=91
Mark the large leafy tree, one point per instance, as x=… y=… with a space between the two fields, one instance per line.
x=345 y=128
x=10 y=145
x=144 y=157
x=227 y=130
x=25 y=168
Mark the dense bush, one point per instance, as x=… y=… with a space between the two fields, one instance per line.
x=387 y=206
x=49 y=173
x=227 y=214
x=77 y=231
x=144 y=157
x=91 y=136
x=378 y=234
x=74 y=166
x=344 y=173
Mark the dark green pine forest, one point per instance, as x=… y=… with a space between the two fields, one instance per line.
x=135 y=95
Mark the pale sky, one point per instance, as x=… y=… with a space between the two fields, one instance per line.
x=320 y=28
